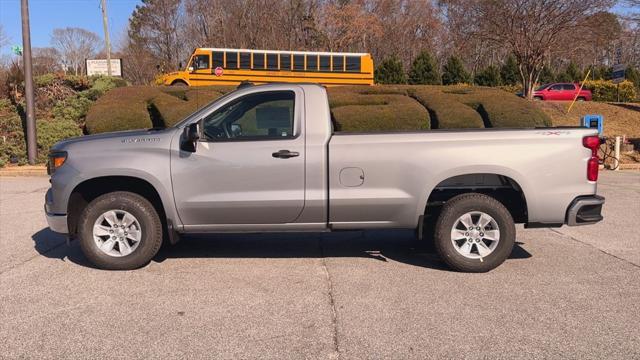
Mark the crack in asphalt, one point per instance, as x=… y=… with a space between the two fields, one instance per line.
x=14 y=266
x=332 y=303
x=595 y=247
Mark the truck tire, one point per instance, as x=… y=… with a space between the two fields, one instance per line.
x=120 y=231
x=474 y=233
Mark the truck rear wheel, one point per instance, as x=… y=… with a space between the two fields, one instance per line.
x=474 y=233
x=120 y=231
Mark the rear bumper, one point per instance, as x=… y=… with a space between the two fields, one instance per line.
x=585 y=210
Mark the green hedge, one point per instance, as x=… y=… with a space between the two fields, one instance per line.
x=12 y=137
x=354 y=108
x=498 y=108
x=606 y=90
x=445 y=110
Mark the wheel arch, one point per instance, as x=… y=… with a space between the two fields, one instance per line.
x=177 y=81
x=504 y=185
x=87 y=190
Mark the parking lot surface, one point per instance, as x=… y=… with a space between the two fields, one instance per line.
x=564 y=293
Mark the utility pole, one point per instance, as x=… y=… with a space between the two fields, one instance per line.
x=32 y=145
x=105 y=24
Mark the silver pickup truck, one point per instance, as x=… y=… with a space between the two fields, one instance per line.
x=267 y=159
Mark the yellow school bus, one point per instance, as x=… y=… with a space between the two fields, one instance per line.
x=215 y=66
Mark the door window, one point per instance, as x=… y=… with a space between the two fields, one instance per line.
x=569 y=87
x=260 y=116
x=556 y=88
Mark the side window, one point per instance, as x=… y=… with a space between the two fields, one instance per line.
x=245 y=61
x=298 y=62
x=338 y=63
x=353 y=63
x=260 y=116
x=312 y=62
x=325 y=63
x=285 y=62
x=232 y=60
x=556 y=88
x=218 y=59
x=272 y=61
x=258 y=60
x=200 y=62
x=569 y=87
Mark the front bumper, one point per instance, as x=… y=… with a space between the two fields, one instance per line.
x=585 y=210
x=57 y=222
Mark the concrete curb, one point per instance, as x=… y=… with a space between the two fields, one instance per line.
x=12 y=171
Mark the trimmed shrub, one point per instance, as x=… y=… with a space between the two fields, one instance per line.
x=50 y=132
x=445 y=110
x=424 y=70
x=121 y=109
x=606 y=90
x=73 y=108
x=361 y=109
x=499 y=109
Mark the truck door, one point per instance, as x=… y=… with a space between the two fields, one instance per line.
x=248 y=167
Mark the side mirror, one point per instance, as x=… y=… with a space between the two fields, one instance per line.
x=190 y=137
x=190 y=69
x=158 y=67
x=180 y=65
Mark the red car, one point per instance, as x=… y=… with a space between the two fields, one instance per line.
x=561 y=91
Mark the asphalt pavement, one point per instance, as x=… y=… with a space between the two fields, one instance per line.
x=564 y=293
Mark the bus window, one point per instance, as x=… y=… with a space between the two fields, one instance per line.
x=325 y=63
x=298 y=62
x=200 y=62
x=272 y=61
x=285 y=61
x=312 y=62
x=232 y=60
x=338 y=63
x=245 y=60
x=218 y=59
x=353 y=63
x=258 y=60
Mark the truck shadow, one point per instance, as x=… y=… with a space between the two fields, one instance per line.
x=379 y=245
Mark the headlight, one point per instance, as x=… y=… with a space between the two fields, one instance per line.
x=56 y=159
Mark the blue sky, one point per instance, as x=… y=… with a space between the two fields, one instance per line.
x=47 y=15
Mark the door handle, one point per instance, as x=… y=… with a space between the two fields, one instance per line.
x=285 y=154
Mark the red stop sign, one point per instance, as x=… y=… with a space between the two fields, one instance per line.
x=218 y=71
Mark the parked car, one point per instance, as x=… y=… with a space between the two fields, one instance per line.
x=562 y=91
x=267 y=159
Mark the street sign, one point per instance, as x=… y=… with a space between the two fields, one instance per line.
x=17 y=49
x=99 y=67
x=618 y=73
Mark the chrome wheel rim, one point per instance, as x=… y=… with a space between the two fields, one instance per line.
x=117 y=233
x=475 y=235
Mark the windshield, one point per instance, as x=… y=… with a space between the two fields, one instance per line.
x=542 y=87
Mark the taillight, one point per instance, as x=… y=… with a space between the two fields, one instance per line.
x=592 y=143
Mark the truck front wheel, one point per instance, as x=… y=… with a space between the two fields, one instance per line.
x=474 y=233
x=120 y=231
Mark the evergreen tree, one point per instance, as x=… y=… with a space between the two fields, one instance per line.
x=509 y=71
x=601 y=73
x=424 y=70
x=573 y=74
x=546 y=75
x=454 y=72
x=390 y=72
x=489 y=76
x=632 y=74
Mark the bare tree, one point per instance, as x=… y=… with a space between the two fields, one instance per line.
x=46 y=60
x=75 y=45
x=4 y=39
x=529 y=29
x=155 y=26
